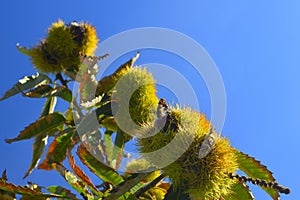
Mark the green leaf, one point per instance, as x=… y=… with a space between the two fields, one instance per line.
x=45 y=91
x=109 y=124
x=58 y=149
x=101 y=170
x=73 y=181
x=88 y=123
x=49 y=106
x=240 y=191
x=128 y=197
x=9 y=187
x=27 y=83
x=67 y=194
x=24 y=50
x=91 y=121
x=40 y=141
x=131 y=193
x=36 y=188
x=108 y=146
x=127 y=185
x=137 y=187
x=69 y=115
x=118 y=150
x=39 y=146
x=254 y=169
x=104 y=110
x=43 y=125
x=107 y=83
x=176 y=194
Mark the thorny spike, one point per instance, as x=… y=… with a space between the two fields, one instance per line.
x=262 y=183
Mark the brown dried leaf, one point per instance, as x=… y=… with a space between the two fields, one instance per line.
x=9 y=187
x=4 y=177
x=80 y=173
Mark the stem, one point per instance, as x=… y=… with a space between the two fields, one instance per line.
x=150 y=185
x=65 y=83
x=62 y=80
x=103 y=57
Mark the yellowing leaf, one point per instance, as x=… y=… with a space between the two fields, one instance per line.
x=80 y=174
x=9 y=187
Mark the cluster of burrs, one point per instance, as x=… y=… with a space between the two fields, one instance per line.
x=262 y=183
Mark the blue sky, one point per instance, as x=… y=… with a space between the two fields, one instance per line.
x=255 y=44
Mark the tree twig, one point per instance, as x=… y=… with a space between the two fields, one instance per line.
x=62 y=80
x=262 y=183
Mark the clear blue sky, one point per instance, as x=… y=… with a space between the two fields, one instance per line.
x=255 y=44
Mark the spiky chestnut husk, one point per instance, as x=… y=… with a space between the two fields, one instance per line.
x=173 y=127
x=135 y=93
x=203 y=179
x=44 y=61
x=140 y=165
x=90 y=40
x=62 y=47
